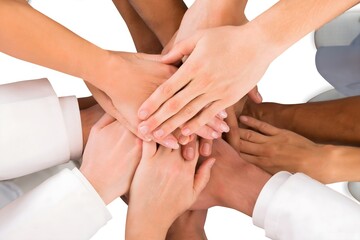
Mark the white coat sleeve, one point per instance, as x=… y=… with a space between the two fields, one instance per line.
x=37 y=131
x=297 y=207
x=63 y=207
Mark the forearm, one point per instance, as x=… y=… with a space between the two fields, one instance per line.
x=162 y=17
x=345 y=163
x=33 y=37
x=290 y=20
x=335 y=121
x=245 y=189
x=144 y=39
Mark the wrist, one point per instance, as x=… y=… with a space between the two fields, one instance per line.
x=106 y=196
x=227 y=12
x=142 y=225
x=94 y=68
x=343 y=164
x=242 y=196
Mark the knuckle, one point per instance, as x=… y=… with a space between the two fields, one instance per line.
x=189 y=111
x=173 y=105
x=165 y=89
x=248 y=135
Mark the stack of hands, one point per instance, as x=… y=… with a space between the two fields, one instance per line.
x=149 y=100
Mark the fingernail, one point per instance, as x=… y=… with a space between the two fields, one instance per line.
x=215 y=135
x=170 y=143
x=143 y=114
x=186 y=131
x=244 y=118
x=144 y=130
x=206 y=149
x=159 y=133
x=224 y=127
x=183 y=140
x=190 y=153
x=223 y=114
x=259 y=96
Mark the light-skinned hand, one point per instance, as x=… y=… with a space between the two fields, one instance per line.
x=128 y=80
x=110 y=158
x=164 y=186
x=222 y=67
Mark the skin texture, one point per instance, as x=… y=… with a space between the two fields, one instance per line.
x=275 y=149
x=234 y=183
x=336 y=121
x=199 y=83
x=89 y=117
x=145 y=38
x=110 y=158
x=161 y=177
x=190 y=225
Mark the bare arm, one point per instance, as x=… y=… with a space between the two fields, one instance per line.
x=144 y=38
x=335 y=122
x=162 y=17
x=33 y=37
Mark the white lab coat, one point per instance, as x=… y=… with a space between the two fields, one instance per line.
x=297 y=207
x=38 y=131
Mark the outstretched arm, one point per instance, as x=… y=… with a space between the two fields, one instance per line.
x=144 y=38
x=331 y=122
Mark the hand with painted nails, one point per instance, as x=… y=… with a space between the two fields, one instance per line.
x=200 y=89
x=162 y=176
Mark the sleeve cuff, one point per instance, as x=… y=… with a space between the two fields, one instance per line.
x=266 y=196
x=72 y=120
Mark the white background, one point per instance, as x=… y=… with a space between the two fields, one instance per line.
x=292 y=78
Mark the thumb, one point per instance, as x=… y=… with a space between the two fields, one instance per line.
x=254 y=94
x=202 y=176
x=148 y=149
x=181 y=49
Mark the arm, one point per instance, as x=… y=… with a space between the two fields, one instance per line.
x=51 y=45
x=145 y=40
x=336 y=121
x=162 y=17
x=275 y=150
x=105 y=174
x=37 y=214
x=253 y=46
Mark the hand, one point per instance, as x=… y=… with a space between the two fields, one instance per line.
x=128 y=80
x=210 y=77
x=110 y=158
x=275 y=150
x=234 y=183
x=164 y=186
x=190 y=226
